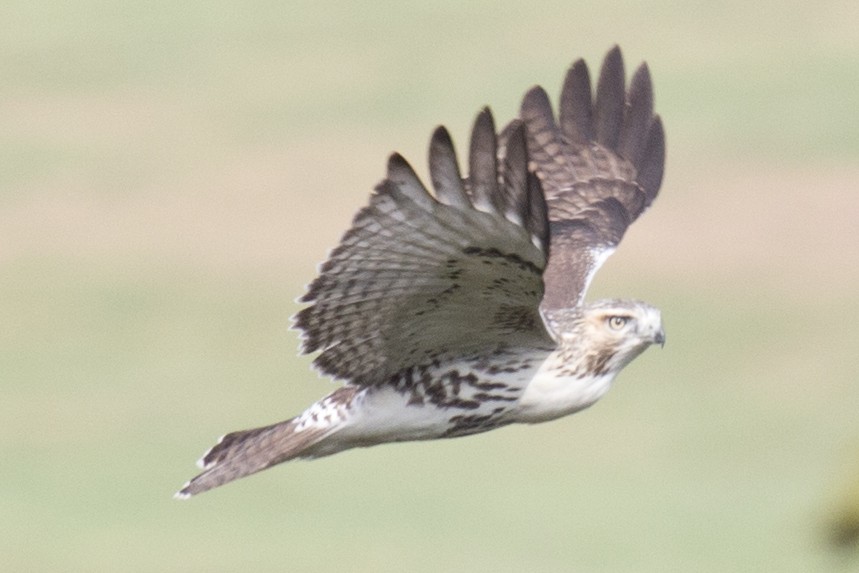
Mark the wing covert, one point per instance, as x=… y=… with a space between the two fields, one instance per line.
x=419 y=278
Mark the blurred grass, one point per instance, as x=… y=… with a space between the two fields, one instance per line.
x=172 y=172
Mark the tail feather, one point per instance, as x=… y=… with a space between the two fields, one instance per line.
x=246 y=452
x=240 y=454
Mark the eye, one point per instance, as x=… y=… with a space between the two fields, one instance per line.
x=617 y=322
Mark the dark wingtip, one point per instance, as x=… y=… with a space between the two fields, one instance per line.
x=535 y=99
x=444 y=169
x=396 y=163
x=515 y=153
x=441 y=137
x=483 y=162
x=576 y=107
x=644 y=70
x=638 y=117
x=484 y=120
x=613 y=61
x=653 y=160
x=641 y=85
x=610 y=99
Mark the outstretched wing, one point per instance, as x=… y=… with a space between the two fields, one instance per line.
x=600 y=166
x=419 y=278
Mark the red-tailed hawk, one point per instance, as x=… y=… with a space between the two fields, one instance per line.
x=458 y=312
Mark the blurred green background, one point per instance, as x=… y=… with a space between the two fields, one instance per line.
x=171 y=173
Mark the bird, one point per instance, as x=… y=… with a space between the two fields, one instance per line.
x=462 y=310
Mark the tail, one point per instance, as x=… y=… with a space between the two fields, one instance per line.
x=243 y=453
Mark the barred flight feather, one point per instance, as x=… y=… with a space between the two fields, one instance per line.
x=391 y=290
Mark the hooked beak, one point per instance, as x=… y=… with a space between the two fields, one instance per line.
x=659 y=337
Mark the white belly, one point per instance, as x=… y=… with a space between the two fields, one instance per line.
x=532 y=393
x=384 y=415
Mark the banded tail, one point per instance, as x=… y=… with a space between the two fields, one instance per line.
x=240 y=454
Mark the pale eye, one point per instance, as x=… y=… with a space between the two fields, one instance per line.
x=617 y=322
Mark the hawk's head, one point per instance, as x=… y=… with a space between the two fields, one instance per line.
x=606 y=335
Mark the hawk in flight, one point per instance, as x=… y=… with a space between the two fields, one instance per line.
x=461 y=311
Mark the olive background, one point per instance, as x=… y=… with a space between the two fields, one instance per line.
x=172 y=173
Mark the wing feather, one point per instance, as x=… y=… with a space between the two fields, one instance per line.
x=483 y=165
x=600 y=166
x=444 y=170
x=637 y=117
x=419 y=278
x=608 y=108
x=576 y=108
x=652 y=165
x=514 y=170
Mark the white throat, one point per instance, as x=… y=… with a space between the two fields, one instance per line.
x=552 y=394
